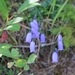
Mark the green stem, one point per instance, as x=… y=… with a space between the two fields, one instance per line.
x=12 y=38
x=51 y=8
x=59 y=12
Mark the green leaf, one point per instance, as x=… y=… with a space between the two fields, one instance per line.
x=26 y=67
x=15 y=20
x=13 y=27
x=0 y=31
x=55 y=31
x=5 y=46
x=3 y=8
x=4 y=49
x=67 y=42
x=31 y=58
x=20 y=63
x=32 y=74
x=28 y=4
x=15 y=53
x=5 y=52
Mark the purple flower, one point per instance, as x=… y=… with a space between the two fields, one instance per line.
x=60 y=45
x=60 y=38
x=28 y=37
x=56 y=51
x=35 y=32
x=35 y=22
x=34 y=36
x=55 y=57
x=42 y=38
x=33 y=25
x=32 y=46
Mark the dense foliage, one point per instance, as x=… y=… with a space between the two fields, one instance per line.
x=52 y=17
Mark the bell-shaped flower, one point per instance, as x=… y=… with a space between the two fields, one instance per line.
x=60 y=45
x=33 y=25
x=42 y=38
x=32 y=47
x=60 y=38
x=28 y=37
x=35 y=22
x=54 y=57
x=35 y=32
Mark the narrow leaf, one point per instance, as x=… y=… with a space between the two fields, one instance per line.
x=13 y=27
x=3 y=8
x=15 y=20
x=59 y=12
x=28 y=4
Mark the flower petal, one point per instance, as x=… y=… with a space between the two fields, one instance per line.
x=32 y=46
x=60 y=38
x=42 y=38
x=28 y=37
x=33 y=25
x=35 y=32
x=60 y=45
x=35 y=22
x=54 y=57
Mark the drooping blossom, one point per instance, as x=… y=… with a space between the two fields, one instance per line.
x=60 y=45
x=32 y=47
x=55 y=57
x=42 y=38
x=60 y=38
x=35 y=32
x=33 y=25
x=28 y=37
x=36 y=23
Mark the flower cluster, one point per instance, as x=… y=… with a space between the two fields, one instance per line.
x=60 y=47
x=33 y=34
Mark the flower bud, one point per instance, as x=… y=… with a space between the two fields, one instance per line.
x=32 y=46
x=4 y=37
x=29 y=37
x=55 y=57
x=42 y=38
x=60 y=45
x=60 y=38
